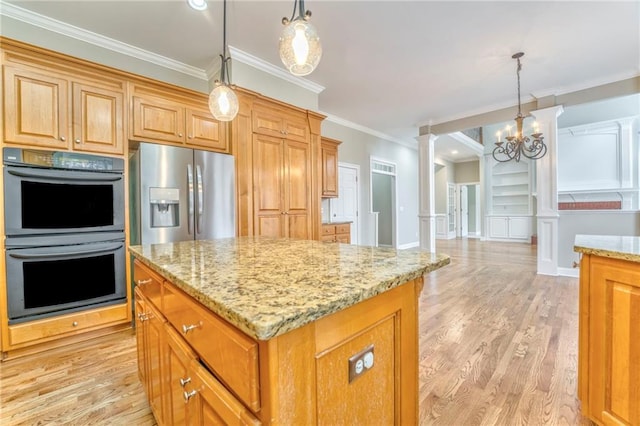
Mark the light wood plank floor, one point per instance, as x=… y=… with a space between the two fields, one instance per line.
x=498 y=345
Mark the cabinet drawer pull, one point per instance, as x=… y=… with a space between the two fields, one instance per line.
x=147 y=281
x=188 y=328
x=75 y=323
x=78 y=141
x=142 y=317
x=183 y=382
x=62 y=138
x=180 y=134
x=188 y=395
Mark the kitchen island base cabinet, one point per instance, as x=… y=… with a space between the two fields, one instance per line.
x=609 y=346
x=304 y=374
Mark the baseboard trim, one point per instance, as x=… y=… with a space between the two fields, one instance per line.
x=569 y=272
x=409 y=245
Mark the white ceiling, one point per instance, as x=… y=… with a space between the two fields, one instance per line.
x=392 y=66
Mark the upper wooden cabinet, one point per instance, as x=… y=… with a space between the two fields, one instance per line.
x=330 y=167
x=164 y=116
x=51 y=109
x=272 y=121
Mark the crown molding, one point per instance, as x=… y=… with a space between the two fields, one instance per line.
x=363 y=129
x=35 y=19
x=273 y=70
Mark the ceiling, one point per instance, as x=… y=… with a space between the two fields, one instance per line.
x=392 y=66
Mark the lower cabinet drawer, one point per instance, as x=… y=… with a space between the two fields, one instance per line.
x=229 y=353
x=343 y=229
x=148 y=281
x=70 y=324
x=328 y=229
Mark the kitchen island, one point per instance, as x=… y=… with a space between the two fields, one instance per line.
x=609 y=339
x=262 y=330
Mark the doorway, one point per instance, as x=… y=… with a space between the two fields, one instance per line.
x=345 y=207
x=383 y=201
x=467 y=210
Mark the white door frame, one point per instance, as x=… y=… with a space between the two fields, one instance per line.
x=355 y=226
x=391 y=171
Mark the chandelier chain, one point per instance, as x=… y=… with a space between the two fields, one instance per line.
x=518 y=73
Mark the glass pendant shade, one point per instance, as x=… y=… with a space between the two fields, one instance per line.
x=223 y=102
x=300 y=48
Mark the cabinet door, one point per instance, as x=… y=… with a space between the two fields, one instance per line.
x=268 y=122
x=295 y=128
x=178 y=383
x=268 y=183
x=36 y=109
x=519 y=227
x=98 y=117
x=614 y=341
x=215 y=405
x=297 y=188
x=158 y=120
x=154 y=331
x=141 y=346
x=329 y=170
x=206 y=132
x=498 y=227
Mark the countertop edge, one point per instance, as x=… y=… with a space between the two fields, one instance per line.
x=286 y=325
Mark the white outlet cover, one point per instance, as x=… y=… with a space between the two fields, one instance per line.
x=359 y=366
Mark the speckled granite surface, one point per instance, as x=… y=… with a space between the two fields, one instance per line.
x=268 y=286
x=617 y=247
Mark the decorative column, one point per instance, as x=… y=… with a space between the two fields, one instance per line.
x=547 y=191
x=426 y=188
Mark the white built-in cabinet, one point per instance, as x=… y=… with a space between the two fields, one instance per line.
x=509 y=199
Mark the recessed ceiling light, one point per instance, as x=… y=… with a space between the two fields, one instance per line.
x=198 y=4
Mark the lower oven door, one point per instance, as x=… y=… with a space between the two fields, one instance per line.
x=48 y=281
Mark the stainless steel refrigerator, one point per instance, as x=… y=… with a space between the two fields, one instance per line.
x=180 y=194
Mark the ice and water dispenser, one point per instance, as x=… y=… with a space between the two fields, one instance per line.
x=165 y=207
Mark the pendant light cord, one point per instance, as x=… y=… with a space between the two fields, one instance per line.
x=223 y=70
x=518 y=72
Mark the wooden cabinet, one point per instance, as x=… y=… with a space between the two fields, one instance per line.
x=281 y=182
x=162 y=116
x=270 y=120
x=212 y=373
x=149 y=336
x=340 y=232
x=47 y=109
x=329 y=167
x=609 y=340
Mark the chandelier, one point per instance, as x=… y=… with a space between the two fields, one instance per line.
x=300 y=48
x=518 y=144
x=223 y=102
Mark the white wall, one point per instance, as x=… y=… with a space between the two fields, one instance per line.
x=358 y=147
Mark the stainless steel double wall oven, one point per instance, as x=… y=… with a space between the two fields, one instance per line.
x=64 y=226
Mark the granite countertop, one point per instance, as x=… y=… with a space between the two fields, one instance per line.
x=617 y=247
x=268 y=286
x=337 y=223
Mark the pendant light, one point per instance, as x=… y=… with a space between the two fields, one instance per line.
x=223 y=102
x=518 y=144
x=300 y=48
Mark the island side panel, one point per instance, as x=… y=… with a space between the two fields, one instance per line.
x=306 y=371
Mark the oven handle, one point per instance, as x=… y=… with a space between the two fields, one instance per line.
x=107 y=249
x=56 y=174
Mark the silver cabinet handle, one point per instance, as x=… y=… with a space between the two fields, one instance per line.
x=141 y=282
x=183 y=382
x=62 y=138
x=188 y=395
x=75 y=323
x=188 y=328
x=78 y=140
x=142 y=317
x=190 y=136
x=180 y=134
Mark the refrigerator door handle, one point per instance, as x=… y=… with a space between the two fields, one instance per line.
x=190 y=198
x=200 y=200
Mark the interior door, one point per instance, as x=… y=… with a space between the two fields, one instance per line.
x=345 y=207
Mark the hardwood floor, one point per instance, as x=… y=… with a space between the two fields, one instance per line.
x=498 y=346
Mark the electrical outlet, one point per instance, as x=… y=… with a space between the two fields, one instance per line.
x=360 y=363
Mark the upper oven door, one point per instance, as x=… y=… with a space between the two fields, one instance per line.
x=41 y=201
